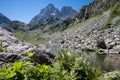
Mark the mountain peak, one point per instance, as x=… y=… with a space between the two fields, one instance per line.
x=50 y=5
x=67 y=7
x=67 y=11
x=51 y=12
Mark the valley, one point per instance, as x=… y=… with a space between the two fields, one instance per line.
x=83 y=45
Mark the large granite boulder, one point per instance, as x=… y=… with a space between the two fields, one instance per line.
x=12 y=44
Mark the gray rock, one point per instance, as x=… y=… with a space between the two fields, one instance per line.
x=96 y=6
x=110 y=51
x=43 y=57
x=101 y=44
x=89 y=34
x=115 y=20
x=13 y=44
x=10 y=57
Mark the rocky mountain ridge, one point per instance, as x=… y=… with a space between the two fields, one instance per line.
x=94 y=8
x=4 y=19
x=51 y=12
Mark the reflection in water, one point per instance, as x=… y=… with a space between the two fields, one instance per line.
x=106 y=62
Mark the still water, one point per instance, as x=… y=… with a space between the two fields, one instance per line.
x=108 y=62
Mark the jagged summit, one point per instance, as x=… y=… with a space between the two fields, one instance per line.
x=51 y=11
x=50 y=5
x=45 y=13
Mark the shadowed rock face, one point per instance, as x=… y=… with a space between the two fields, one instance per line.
x=39 y=56
x=10 y=57
x=51 y=11
x=43 y=57
x=4 y=19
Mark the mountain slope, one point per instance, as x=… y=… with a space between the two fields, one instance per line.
x=4 y=19
x=86 y=33
x=15 y=26
x=94 y=8
x=91 y=34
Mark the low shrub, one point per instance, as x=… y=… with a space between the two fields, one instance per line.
x=66 y=67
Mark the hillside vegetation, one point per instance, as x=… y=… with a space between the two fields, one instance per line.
x=94 y=31
x=115 y=12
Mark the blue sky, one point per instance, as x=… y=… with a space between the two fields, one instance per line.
x=25 y=10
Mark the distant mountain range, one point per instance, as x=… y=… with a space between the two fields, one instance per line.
x=50 y=11
x=4 y=19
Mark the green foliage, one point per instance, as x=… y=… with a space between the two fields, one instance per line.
x=30 y=54
x=24 y=71
x=20 y=35
x=78 y=65
x=115 y=11
x=2 y=49
x=33 y=38
x=37 y=39
x=67 y=59
x=118 y=76
x=66 y=67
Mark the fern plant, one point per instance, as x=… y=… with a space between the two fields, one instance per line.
x=80 y=67
x=2 y=49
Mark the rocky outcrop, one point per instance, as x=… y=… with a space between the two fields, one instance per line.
x=16 y=50
x=12 y=44
x=101 y=44
x=96 y=7
x=39 y=56
x=43 y=57
x=10 y=57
